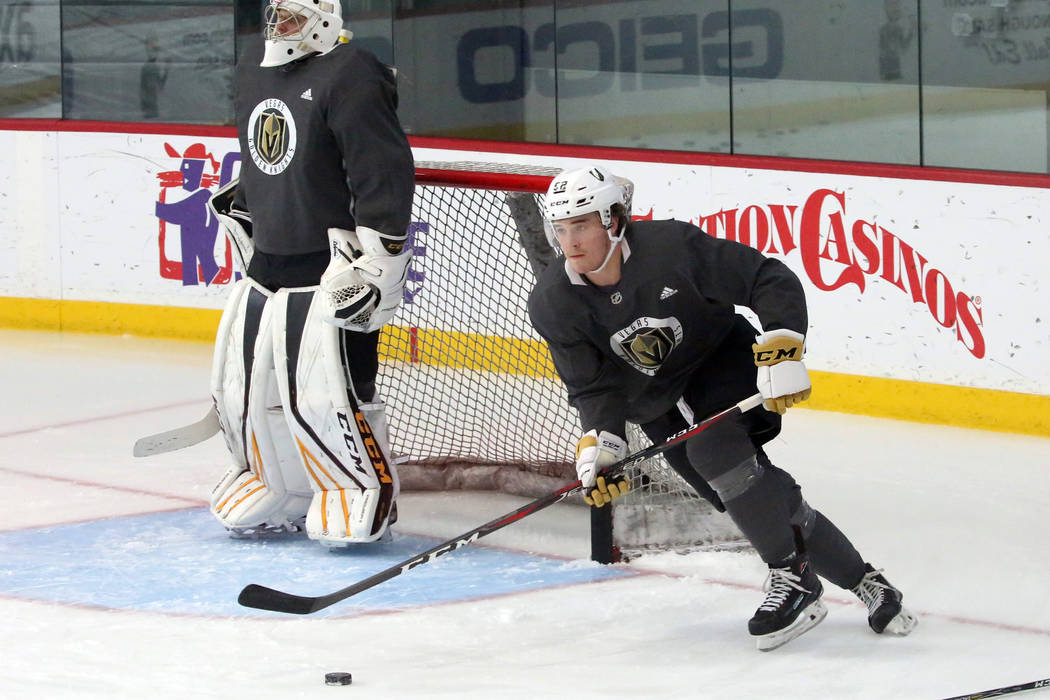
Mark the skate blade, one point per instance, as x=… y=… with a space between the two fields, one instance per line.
x=262 y=533
x=336 y=545
x=268 y=531
x=807 y=620
x=902 y=624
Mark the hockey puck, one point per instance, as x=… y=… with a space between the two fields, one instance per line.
x=338 y=678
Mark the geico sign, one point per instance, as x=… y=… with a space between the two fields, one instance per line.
x=685 y=44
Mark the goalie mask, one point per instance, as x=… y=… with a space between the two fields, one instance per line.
x=296 y=28
x=577 y=192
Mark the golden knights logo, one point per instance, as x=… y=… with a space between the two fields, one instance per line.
x=271 y=136
x=646 y=343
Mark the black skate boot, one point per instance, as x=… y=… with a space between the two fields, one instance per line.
x=792 y=604
x=885 y=612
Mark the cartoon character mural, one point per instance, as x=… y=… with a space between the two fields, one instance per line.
x=199 y=174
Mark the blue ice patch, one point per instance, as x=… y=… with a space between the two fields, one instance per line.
x=183 y=562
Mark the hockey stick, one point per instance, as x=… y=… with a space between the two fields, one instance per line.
x=179 y=437
x=263 y=598
x=1005 y=690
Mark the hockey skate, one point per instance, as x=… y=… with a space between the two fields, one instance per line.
x=386 y=538
x=792 y=605
x=883 y=600
x=269 y=530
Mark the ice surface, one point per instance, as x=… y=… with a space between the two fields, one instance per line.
x=115 y=583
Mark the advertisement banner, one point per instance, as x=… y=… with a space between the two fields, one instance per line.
x=920 y=280
x=134 y=219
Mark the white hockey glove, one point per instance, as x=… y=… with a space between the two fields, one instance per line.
x=237 y=223
x=363 y=283
x=594 y=452
x=782 y=377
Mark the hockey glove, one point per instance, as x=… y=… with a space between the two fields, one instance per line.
x=594 y=452
x=782 y=377
x=236 y=223
x=363 y=283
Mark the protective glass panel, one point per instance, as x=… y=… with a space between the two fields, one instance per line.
x=826 y=79
x=32 y=79
x=166 y=61
x=372 y=24
x=986 y=78
x=644 y=73
x=476 y=69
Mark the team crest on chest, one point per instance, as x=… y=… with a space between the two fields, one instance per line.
x=646 y=343
x=271 y=136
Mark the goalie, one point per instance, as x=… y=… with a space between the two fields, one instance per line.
x=318 y=218
x=641 y=325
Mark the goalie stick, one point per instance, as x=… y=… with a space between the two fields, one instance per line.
x=263 y=598
x=1005 y=690
x=178 y=438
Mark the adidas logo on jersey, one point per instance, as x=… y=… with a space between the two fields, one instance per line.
x=307 y=94
x=668 y=292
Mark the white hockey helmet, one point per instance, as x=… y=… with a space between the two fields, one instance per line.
x=316 y=23
x=585 y=190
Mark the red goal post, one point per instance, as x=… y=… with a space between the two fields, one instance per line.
x=474 y=402
x=506 y=177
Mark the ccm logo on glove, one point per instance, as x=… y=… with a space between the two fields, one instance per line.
x=778 y=350
x=594 y=452
x=782 y=377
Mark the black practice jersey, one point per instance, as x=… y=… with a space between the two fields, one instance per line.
x=627 y=352
x=321 y=147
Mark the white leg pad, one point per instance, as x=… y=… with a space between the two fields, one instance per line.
x=265 y=486
x=346 y=457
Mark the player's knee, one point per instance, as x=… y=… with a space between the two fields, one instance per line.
x=720 y=448
x=738 y=479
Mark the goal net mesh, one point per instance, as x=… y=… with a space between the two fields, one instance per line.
x=474 y=401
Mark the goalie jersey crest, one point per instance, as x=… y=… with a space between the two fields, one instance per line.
x=271 y=136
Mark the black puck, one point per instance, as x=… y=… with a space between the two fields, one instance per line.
x=338 y=678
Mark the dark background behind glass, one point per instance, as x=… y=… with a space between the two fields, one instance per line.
x=920 y=82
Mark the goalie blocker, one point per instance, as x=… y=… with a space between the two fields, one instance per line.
x=304 y=446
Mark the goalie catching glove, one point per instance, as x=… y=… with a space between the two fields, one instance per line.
x=364 y=282
x=782 y=377
x=594 y=452
x=237 y=223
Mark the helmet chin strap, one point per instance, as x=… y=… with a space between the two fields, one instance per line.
x=614 y=243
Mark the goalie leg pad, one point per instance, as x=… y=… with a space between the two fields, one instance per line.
x=342 y=442
x=264 y=488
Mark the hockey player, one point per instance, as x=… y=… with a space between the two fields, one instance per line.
x=319 y=218
x=641 y=325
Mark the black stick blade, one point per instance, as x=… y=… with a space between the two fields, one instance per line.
x=263 y=598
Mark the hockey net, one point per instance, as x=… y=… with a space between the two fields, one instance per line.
x=474 y=400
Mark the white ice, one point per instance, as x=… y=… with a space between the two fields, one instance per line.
x=957 y=518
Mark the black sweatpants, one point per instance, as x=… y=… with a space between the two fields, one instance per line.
x=727 y=465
